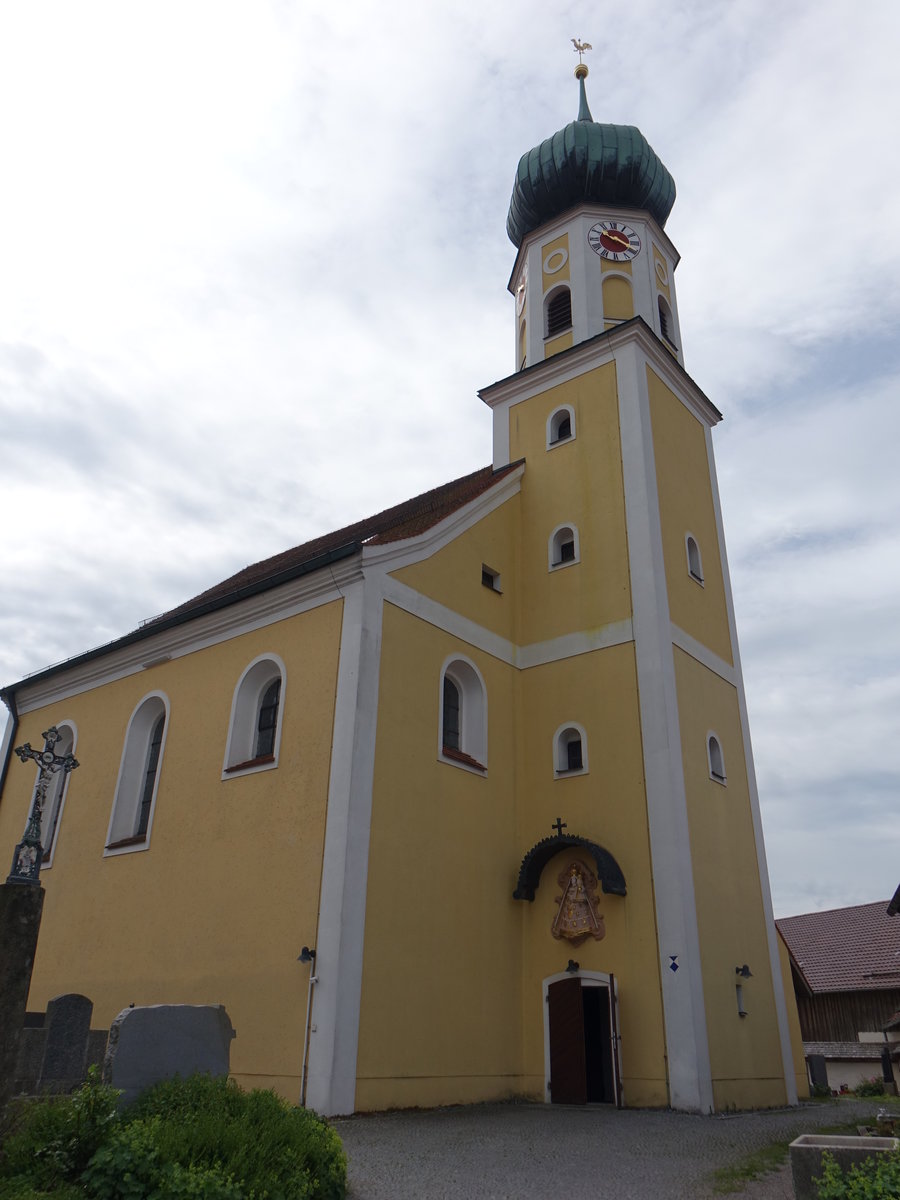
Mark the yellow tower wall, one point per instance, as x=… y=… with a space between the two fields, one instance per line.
x=576 y=482
x=745 y=1052
x=234 y=864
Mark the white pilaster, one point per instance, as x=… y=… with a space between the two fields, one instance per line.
x=331 y=1087
x=687 y=1046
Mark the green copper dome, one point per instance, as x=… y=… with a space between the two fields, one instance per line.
x=588 y=162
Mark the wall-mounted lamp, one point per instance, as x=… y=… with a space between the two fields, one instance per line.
x=307 y=955
x=744 y=972
x=573 y=967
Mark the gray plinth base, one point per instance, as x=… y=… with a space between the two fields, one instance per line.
x=806 y=1156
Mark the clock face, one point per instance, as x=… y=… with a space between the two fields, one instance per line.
x=614 y=240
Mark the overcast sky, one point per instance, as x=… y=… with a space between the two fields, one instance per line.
x=253 y=268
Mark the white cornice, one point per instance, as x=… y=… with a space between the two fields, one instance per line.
x=600 y=349
x=703 y=655
x=265 y=608
x=390 y=556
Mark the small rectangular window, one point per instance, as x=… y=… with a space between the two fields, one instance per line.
x=567 y=552
x=573 y=755
x=490 y=578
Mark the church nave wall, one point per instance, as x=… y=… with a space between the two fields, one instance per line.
x=226 y=888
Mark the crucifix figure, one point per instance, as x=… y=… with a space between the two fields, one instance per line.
x=27 y=857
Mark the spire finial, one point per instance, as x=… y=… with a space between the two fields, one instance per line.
x=581 y=71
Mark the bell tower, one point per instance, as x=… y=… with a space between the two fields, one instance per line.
x=626 y=606
x=587 y=216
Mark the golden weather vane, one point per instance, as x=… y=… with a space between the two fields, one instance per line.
x=580 y=48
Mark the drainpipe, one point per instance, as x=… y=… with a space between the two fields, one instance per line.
x=307 y=956
x=9 y=699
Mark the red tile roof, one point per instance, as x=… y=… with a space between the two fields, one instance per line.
x=404 y=520
x=845 y=949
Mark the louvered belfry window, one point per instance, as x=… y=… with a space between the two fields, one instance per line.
x=559 y=312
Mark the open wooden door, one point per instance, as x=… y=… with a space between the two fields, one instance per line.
x=614 y=1036
x=568 y=1077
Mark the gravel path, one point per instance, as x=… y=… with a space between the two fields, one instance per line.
x=538 y=1151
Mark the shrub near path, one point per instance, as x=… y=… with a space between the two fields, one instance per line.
x=192 y=1138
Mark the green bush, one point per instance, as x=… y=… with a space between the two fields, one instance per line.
x=184 y=1139
x=271 y=1147
x=23 y=1189
x=53 y=1140
x=870 y=1087
x=131 y=1166
x=876 y=1178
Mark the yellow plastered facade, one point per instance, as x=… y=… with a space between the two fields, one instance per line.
x=214 y=846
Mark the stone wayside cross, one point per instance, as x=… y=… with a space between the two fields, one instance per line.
x=27 y=857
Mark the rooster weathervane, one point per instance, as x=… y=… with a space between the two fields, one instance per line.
x=580 y=48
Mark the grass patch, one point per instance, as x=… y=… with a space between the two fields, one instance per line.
x=727 y=1180
x=761 y=1162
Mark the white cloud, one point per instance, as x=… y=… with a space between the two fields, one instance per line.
x=254 y=268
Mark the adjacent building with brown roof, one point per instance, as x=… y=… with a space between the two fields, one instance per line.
x=845 y=964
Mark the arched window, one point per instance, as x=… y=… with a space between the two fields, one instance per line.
x=139 y=773
x=694 y=561
x=463 y=715
x=716 y=758
x=560 y=426
x=563 y=547
x=56 y=793
x=557 y=312
x=570 y=750
x=523 y=345
x=666 y=323
x=254 y=734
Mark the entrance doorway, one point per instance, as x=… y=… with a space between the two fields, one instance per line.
x=581 y=1040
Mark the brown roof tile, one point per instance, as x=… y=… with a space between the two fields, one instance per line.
x=845 y=949
x=404 y=520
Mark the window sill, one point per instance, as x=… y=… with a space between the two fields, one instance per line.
x=139 y=839
x=560 y=441
x=571 y=771
x=720 y=779
x=696 y=578
x=264 y=760
x=459 y=758
x=565 y=562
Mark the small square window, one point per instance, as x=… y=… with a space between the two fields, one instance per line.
x=490 y=578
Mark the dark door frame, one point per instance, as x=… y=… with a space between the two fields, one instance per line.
x=588 y=979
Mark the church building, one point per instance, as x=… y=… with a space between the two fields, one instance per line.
x=484 y=756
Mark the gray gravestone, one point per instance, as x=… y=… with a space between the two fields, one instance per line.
x=160 y=1041
x=68 y=1025
x=818 y=1070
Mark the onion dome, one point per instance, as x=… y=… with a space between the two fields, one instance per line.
x=588 y=162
